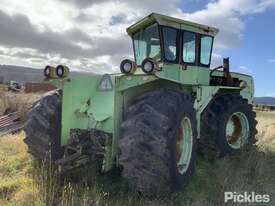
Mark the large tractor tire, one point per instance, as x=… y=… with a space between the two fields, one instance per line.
x=228 y=125
x=43 y=128
x=158 y=144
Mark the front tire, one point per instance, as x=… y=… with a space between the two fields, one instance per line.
x=158 y=144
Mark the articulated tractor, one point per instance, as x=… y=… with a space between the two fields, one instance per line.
x=149 y=119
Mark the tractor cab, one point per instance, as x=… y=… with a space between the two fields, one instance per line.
x=160 y=41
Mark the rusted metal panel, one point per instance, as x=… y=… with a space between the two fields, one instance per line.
x=31 y=87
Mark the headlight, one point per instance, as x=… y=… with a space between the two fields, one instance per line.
x=62 y=71
x=128 y=67
x=149 y=65
x=49 y=71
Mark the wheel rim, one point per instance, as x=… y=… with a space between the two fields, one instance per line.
x=184 y=145
x=237 y=130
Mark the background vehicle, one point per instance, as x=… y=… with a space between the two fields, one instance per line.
x=15 y=86
x=149 y=119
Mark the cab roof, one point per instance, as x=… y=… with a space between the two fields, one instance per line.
x=172 y=22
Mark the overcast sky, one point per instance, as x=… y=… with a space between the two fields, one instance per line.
x=90 y=34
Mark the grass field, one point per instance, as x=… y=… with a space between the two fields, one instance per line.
x=12 y=101
x=22 y=182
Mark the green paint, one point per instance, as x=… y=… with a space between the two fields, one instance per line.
x=100 y=101
x=191 y=75
x=84 y=106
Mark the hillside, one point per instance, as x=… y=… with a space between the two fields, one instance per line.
x=23 y=74
x=265 y=100
x=20 y=74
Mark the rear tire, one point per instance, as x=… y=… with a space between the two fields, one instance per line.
x=43 y=127
x=149 y=143
x=228 y=125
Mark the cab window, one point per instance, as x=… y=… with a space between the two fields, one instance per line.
x=147 y=44
x=206 y=48
x=189 y=47
x=170 y=43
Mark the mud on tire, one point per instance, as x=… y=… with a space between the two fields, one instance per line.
x=148 y=143
x=43 y=127
x=213 y=139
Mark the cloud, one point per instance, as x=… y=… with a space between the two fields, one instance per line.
x=17 y=31
x=90 y=34
x=216 y=60
x=228 y=17
x=82 y=3
x=145 y=5
x=245 y=70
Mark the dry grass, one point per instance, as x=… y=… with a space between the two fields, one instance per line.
x=21 y=183
x=16 y=102
x=16 y=182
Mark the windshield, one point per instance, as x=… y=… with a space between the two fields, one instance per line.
x=147 y=44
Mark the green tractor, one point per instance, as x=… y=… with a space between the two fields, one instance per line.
x=149 y=119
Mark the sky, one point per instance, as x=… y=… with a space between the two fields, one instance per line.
x=89 y=35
